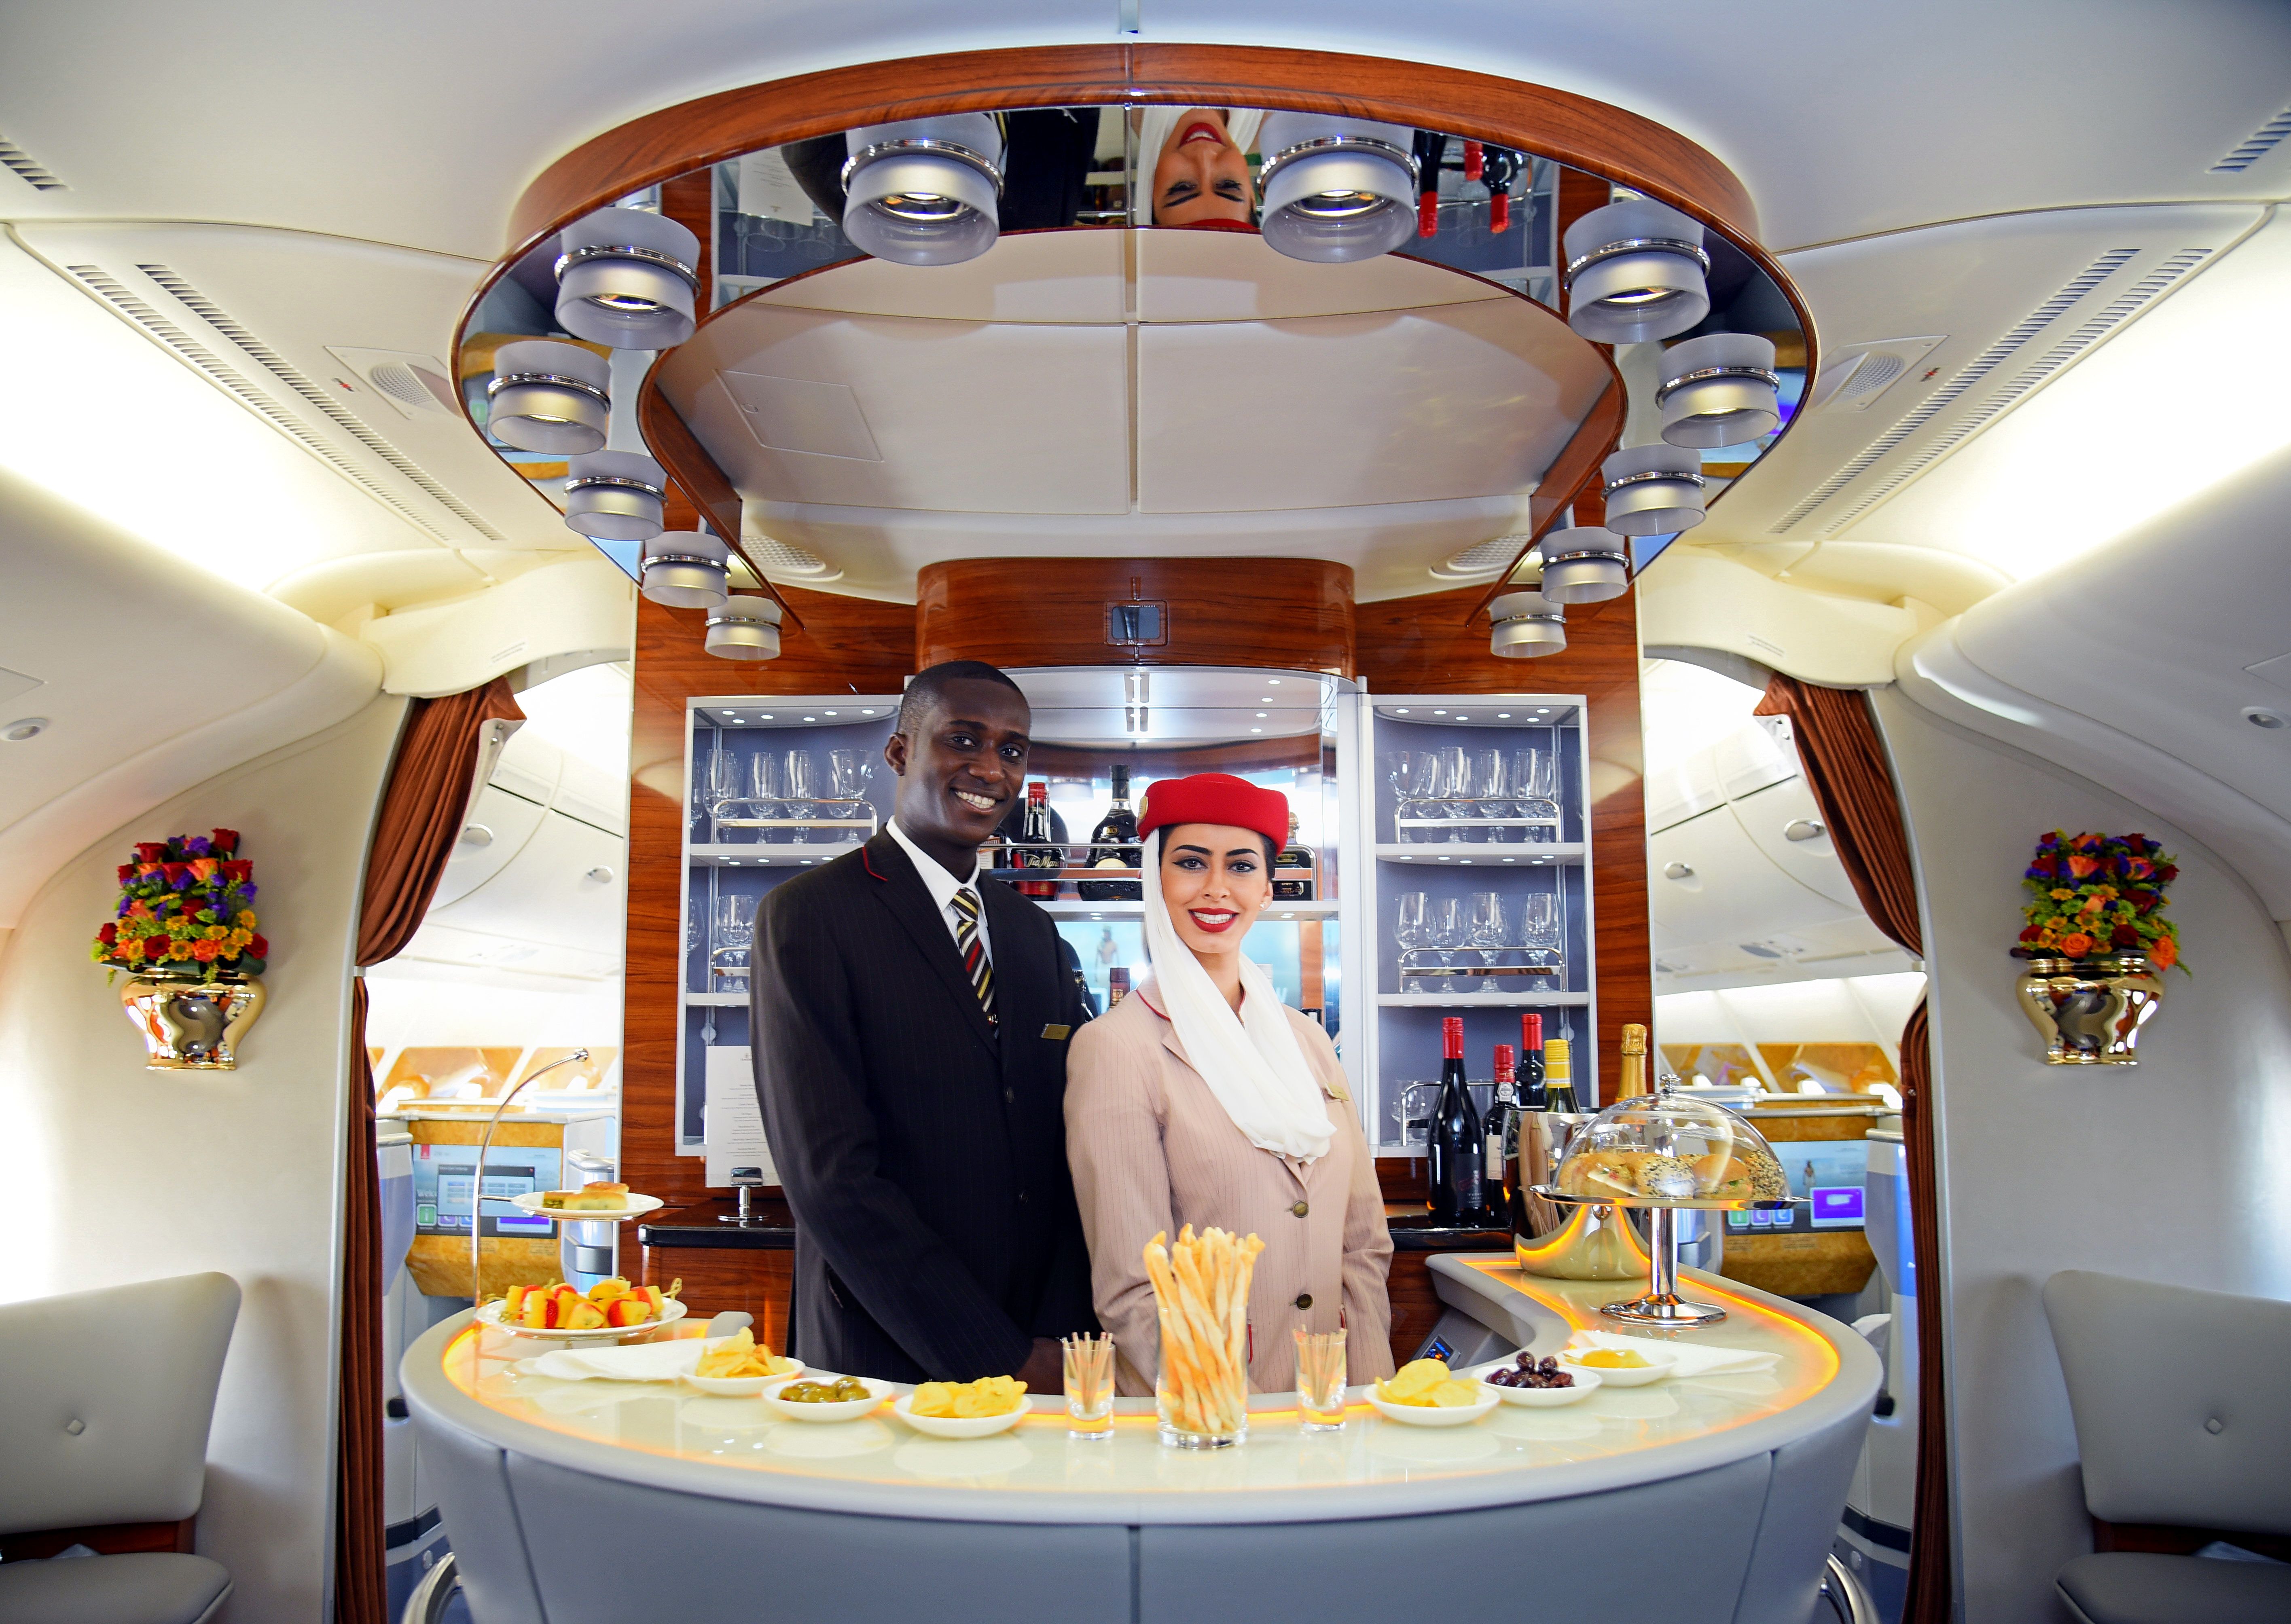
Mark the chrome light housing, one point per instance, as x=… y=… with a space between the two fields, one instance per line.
x=1636 y=272
x=1653 y=490
x=924 y=192
x=1586 y=565
x=1719 y=390
x=616 y=496
x=1335 y=189
x=625 y=278
x=686 y=569
x=746 y=626
x=1526 y=624
x=550 y=397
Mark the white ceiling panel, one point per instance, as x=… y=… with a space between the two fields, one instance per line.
x=1027 y=275
x=1216 y=276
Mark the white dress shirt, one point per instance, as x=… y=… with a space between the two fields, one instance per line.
x=942 y=886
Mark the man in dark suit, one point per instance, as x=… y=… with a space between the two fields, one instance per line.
x=910 y=1025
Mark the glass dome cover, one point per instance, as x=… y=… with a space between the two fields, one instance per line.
x=1671 y=1150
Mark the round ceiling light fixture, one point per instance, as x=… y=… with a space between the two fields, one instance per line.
x=1526 y=624
x=1719 y=390
x=625 y=279
x=552 y=397
x=746 y=626
x=2258 y=716
x=616 y=496
x=24 y=728
x=1653 y=490
x=924 y=192
x=1584 y=565
x=1335 y=189
x=1636 y=272
x=685 y=569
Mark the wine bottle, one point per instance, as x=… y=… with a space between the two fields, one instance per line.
x=1633 y=1079
x=1500 y=1134
x=1456 y=1153
x=1035 y=851
x=1292 y=870
x=1117 y=831
x=1530 y=1063
x=1559 y=1077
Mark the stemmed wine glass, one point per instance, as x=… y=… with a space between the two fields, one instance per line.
x=725 y=788
x=767 y=787
x=1455 y=787
x=1493 y=784
x=1412 y=929
x=802 y=787
x=1487 y=930
x=1535 y=789
x=848 y=772
x=1447 y=932
x=1542 y=930
x=735 y=931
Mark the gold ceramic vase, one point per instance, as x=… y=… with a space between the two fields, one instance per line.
x=192 y=1026
x=2089 y=1011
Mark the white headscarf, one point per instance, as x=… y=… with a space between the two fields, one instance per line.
x=1160 y=123
x=1251 y=1060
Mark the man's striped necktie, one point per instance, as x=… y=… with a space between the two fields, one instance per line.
x=976 y=964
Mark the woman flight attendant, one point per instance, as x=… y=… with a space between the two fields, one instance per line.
x=1203 y=1100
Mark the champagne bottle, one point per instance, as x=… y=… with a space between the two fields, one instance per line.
x=1530 y=1063
x=1559 y=1076
x=1292 y=870
x=1117 y=830
x=1455 y=1150
x=1035 y=851
x=1634 y=1078
x=1500 y=1134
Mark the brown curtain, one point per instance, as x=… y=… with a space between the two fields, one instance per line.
x=423 y=806
x=1845 y=768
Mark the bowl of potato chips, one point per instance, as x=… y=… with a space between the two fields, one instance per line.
x=738 y=1366
x=964 y=1409
x=1424 y=1393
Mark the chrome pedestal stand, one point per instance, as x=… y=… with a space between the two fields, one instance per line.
x=1662 y=1307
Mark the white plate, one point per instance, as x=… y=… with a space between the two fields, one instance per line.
x=957 y=1427
x=639 y=1205
x=847 y=1410
x=1658 y=1366
x=746 y=1386
x=1432 y=1415
x=1538 y=1398
x=490 y=1315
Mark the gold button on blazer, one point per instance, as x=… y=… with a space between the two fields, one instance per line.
x=1152 y=1150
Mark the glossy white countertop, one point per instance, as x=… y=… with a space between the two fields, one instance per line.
x=672 y=1436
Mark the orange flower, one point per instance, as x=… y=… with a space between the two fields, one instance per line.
x=179 y=950
x=2165 y=953
x=205 y=953
x=2076 y=944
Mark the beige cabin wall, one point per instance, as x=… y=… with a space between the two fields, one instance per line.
x=122 y=1174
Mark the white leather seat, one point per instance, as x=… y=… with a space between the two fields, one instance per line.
x=148 y=1587
x=105 y=1402
x=2183 y=1420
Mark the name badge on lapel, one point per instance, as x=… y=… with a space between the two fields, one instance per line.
x=1056 y=1031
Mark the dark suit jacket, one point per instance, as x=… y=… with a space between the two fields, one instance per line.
x=922 y=1151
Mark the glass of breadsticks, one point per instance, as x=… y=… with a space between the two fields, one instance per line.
x=1200 y=1293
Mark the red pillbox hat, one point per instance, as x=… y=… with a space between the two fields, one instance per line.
x=1216 y=798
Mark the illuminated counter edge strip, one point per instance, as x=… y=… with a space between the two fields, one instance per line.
x=1848 y=1389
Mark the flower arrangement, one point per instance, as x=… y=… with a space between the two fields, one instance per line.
x=2098 y=895
x=185 y=912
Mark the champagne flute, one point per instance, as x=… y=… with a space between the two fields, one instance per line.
x=1412 y=930
x=1542 y=930
x=1487 y=930
x=802 y=788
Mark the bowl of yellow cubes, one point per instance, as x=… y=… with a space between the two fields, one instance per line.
x=1424 y=1393
x=964 y=1409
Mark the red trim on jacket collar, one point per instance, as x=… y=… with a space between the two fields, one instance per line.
x=1139 y=995
x=867 y=862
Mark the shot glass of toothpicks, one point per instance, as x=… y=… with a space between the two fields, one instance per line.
x=1200 y=1293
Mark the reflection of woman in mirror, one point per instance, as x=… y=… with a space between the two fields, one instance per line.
x=1196 y=165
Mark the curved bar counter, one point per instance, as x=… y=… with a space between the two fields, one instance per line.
x=1707 y=1498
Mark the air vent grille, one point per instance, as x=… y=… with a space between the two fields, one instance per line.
x=292 y=376
x=15 y=159
x=2261 y=141
x=1484 y=559
x=277 y=415
x=1980 y=367
x=780 y=558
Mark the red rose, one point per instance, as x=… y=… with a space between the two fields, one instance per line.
x=2123 y=936
x=259 y=947
x=238 y=870
x=154 y=947
x=107 y=935
x=126 y=873
x=2168 y=872
x=224 y=839
x=2032 y=933
x=150 y=851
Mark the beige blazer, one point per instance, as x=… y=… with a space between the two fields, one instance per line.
x=1152 y=1150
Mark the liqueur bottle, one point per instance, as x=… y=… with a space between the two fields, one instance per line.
x=1634 y=1077
x=1559 y=1077
x=1530 y=1063
x=1456 y=1151
x=1500 y=1134
x=1035 y=853
x=1117 y=831
x=1292 y=870
x=1117 y=985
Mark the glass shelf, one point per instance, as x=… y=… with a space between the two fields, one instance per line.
x=1472 y=1001
x=1564 y=854
x=1073 y=908
x=766 y=857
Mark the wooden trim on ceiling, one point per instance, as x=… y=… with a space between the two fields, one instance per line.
x=694 y=473
x=1576 y=467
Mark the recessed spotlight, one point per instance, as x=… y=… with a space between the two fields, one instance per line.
x=811 y=718
x=1402 y=711
x=1273 y=682
x=2256 y=715
x=1503 y=716
x=1256 y=730
x=30 y=728
x=1461 y=717
x=1335 y=189
x=1511 y=859
x=866 y=714
x=830 y=712
x=925 y=191
x=1260 y=716
x=625 y=278
x=1439 y=713
x=766 y=717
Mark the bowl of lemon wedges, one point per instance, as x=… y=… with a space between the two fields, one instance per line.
x=1424 y=1393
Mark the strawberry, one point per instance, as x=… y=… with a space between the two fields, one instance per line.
x=630 y=1310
